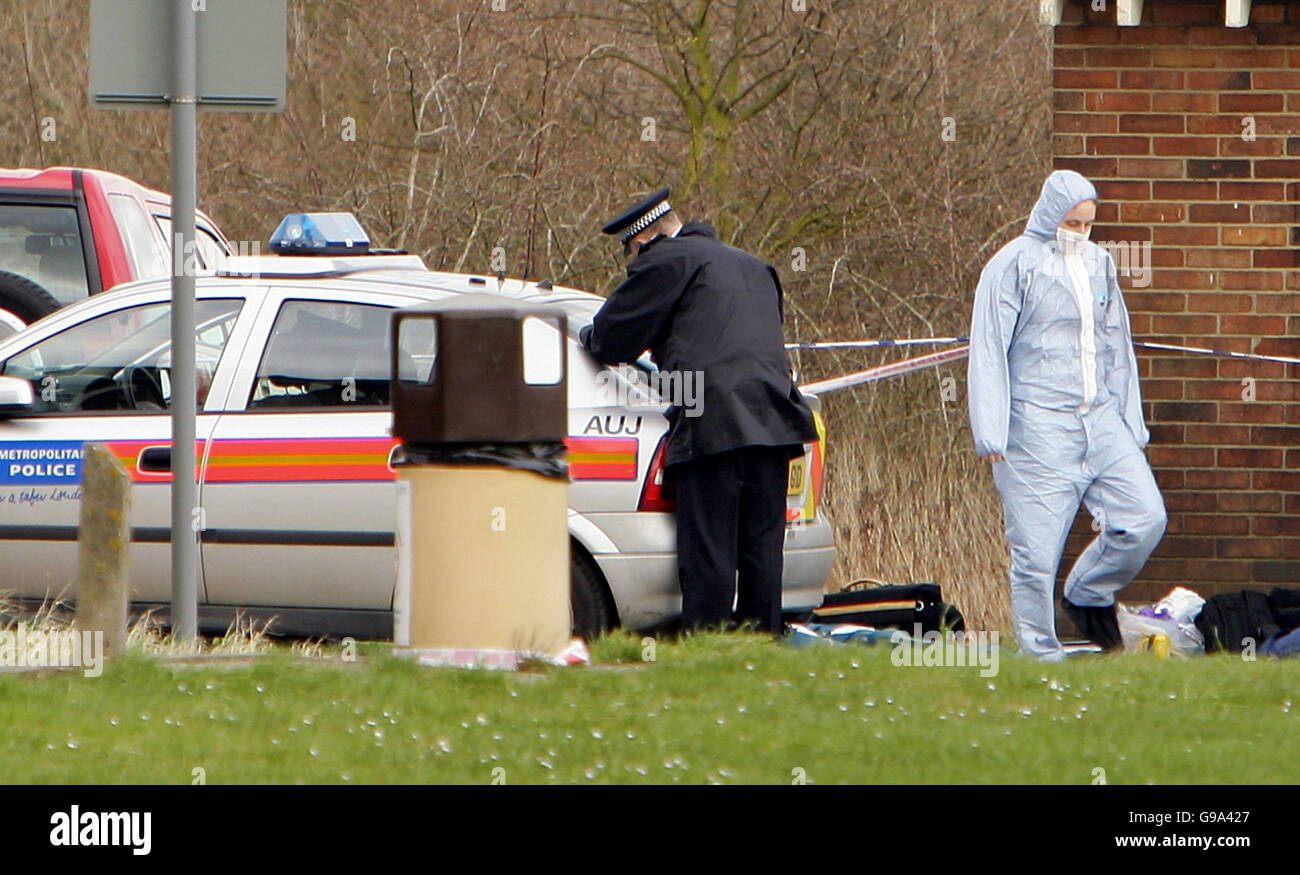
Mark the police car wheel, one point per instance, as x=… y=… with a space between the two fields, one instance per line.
x=22 y=302
x=593 y=610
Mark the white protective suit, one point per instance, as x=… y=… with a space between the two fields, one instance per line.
x=1053 y=387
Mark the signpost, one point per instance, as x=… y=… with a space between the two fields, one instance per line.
x=188 y=55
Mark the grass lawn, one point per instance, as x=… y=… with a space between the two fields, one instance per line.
x=712 y=709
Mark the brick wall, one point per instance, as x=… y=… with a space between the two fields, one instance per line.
x=1155 y=116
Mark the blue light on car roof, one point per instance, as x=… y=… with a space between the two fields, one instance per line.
x=320 y=234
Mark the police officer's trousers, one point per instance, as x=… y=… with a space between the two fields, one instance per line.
x=731 y=533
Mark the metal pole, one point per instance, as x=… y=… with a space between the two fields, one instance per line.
x=185 y=493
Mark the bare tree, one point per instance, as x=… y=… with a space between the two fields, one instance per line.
x=877 y=153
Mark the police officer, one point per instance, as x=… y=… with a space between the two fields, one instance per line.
x=711 y=314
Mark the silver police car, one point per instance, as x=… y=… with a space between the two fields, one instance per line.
x=295 y=452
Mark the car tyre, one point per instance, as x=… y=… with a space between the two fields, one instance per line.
x=22 y=302
x=593 y=609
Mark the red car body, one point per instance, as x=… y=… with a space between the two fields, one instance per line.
x=101 y=229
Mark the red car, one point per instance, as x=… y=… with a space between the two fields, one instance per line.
x=66 y=233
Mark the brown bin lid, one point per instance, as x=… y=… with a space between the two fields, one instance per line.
x=477 y=391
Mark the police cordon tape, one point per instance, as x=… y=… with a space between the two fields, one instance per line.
x=1251 y=356
x=893 y=369
x=875 y=344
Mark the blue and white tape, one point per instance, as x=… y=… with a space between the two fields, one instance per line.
x=1145 y=344
x=893 y=369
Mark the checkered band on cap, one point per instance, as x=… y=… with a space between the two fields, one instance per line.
x=645 y=221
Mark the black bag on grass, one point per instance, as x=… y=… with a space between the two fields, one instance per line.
x=900 y=606
x=1285 y=604
x=1229 y=619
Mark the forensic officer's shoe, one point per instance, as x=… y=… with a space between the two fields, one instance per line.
x=1099 y=625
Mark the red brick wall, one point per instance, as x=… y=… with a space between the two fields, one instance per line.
x=1154 y=115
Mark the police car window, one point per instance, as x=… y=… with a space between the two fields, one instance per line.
x=325 y=354
x=121 y=360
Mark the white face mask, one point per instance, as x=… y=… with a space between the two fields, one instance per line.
x=1071 y=241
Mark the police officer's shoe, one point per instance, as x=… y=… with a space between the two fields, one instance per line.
x=1099 y=625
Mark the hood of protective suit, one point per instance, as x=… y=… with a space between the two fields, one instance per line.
x=1031 y=342
x=1062 y=191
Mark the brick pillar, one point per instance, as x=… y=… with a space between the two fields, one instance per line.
x=1161 y=117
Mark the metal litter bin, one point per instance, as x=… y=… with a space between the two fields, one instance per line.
x=480 y=404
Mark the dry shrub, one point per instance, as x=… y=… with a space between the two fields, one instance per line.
x=53 y=615
x=910 y=499
x=816 y=140
x=244 y=637
x=146 y=633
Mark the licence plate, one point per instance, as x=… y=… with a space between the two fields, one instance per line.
x=797 y=470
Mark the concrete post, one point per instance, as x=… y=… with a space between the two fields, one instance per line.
x=104 y=540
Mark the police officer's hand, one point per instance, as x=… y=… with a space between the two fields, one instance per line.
x=993 y=457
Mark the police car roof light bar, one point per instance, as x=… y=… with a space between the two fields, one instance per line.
x=320 y=234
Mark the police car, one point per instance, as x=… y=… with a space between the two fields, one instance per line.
x=295 y=451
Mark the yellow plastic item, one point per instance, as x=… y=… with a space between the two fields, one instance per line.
x=1157 y=644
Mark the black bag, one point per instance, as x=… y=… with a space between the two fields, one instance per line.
x=1285 y=604
x=1229 y=619
x=890 y=606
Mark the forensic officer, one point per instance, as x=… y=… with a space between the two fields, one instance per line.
x=1055 y=406
x=712 y=313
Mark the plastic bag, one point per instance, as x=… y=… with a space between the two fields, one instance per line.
x=1135 y=627
x=1180 y=603
x=809 y=634
x=547 y=459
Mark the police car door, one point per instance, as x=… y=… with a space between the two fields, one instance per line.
x=100 y=372
x=298 y=490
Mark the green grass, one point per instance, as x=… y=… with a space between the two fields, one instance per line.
x=713 y=709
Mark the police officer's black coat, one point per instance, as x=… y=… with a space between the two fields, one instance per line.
x=700 y=305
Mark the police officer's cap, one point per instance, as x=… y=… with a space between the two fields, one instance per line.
x=639 y=217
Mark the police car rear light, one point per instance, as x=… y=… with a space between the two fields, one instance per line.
x=818 y=463
x=320 y=234
x=813 y=465
x=655 y=496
